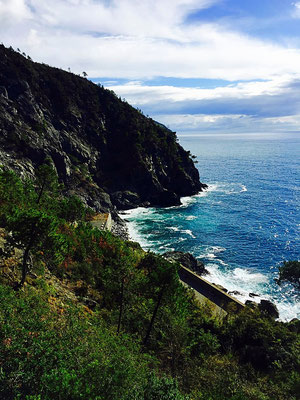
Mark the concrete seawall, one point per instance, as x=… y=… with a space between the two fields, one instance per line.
x=220 y=300
x=102 y=221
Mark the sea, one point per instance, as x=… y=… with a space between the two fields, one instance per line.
x=245 y=224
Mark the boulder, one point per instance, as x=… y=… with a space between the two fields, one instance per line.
x=269 y=308
x=125 y=200
x=253 y=294
x=235 y=293
x=294 y=325
x=187 y=260
x=220 y=287
x=251 y=304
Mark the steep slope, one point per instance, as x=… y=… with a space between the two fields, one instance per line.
x=104 y=150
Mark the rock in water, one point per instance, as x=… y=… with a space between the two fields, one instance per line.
x=268 y=308
x=220 y=287
x=187 y=260
x=251 y=304
x=294 y=325
x=235 y=293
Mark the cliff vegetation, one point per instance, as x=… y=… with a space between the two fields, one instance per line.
x=85 y=315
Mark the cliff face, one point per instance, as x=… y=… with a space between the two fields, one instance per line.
x=104 y=150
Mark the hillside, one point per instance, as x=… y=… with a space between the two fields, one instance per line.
x=104 y=150
x=84 y=314
x=98 y=318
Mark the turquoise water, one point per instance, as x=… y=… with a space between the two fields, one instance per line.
x=245 y=224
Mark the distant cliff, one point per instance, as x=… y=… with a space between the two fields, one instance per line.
x=104 y=150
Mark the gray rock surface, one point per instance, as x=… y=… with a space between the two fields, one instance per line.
x=104 y=150
x=187 y=260
x=268 y=308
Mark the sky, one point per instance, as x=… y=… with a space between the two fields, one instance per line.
x=197 y=66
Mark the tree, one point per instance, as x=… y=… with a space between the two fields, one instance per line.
x=164 y=278
x=33 y=231
x=290 y=271
x=31 y=214
x=71 y=209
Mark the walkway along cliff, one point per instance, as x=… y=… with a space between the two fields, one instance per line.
x=220 y=301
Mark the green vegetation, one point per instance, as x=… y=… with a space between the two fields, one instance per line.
x=290 y=271
x=98 y=318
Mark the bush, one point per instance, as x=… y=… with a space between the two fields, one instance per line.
x=290 y=271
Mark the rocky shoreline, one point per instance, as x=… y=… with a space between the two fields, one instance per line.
x=120 y=229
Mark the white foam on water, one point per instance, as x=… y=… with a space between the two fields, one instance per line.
x=190 y=218
x=134 y=212
x=132 y=221
x=243 y=280
x=188 y=200
x=288 y=311
x=246 y=281
x=166 y=248
x=247 y=276
x=173 y=228
x=181 y=239
x=236 y=280
x=184 y=231
x=211 y=187
x=218 y=249
x=222 y=262
x=188 y=232
x=211 y=252
x=135 y=236
x=210 y=255
x=227 y=187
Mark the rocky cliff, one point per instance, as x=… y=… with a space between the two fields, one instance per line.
x=104 y=150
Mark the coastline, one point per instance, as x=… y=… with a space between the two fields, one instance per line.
x=237 y=281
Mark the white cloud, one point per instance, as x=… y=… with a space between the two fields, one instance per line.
x=137 y=39
x=138 y=93
x=228 y=124
x=296 y=11
x=297 y=5
x=13 y=11
x=199 y=123
x=240 y=107
x=156 y=18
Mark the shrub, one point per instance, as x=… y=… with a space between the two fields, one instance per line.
x=290 y=271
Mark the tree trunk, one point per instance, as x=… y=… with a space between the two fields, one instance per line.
x=30 y=243
x=154 y=315
x=41 y=192
x=25 y=258
x=121 y=305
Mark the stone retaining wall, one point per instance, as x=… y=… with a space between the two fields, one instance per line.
x=208 y=291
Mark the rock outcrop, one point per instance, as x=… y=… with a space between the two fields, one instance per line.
x=187 y=260
x=104 y=150
x=269 y=308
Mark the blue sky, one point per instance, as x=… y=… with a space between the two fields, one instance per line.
x=198 y=66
